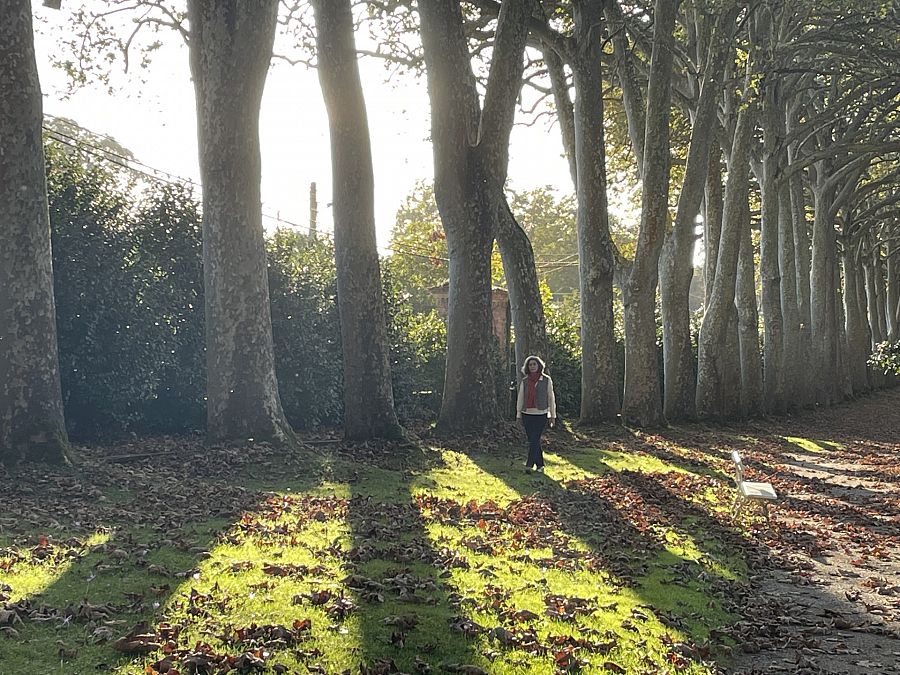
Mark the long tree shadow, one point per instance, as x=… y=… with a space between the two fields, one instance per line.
x=597 y=452
x=863 y=508
x=784 y=606
x=410 y=616
x=626 y=543
x=96 y=551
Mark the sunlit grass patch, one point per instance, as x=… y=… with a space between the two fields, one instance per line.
x=460 y=560
x=27 y=571
x=598 y=461
x=529 y=601
x=810 y=445
x=460 y=478
x=270 y=585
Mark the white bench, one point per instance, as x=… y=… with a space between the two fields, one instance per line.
x=749 y=491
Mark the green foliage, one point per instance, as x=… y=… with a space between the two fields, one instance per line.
x=550 y=224
x=563 y=335
x=886 y=357
x=129 y=293
x=306 y=328
x=418 y=344
x=116 y=338
x=419 y=241
x=168 y=253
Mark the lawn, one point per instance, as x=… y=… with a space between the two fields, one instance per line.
x=167 y=556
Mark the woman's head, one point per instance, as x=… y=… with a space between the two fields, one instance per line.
x=533 y=364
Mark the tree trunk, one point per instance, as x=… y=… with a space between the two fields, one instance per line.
x=31 y=410
x=712 y=221
x=368 y=394
x=845 y=384
x=230 y=50
x=712 y=359
x=770 y=274
x=893 y=291
x=752 y=401
x=806 y=387
x=642 y=404
x=564 y=109
x=872 y=300
x=676 y=265
x=516 y=252
x=857 y=348
x=471 y=151
x=823 y=334
x=880 y=291
x=790 y=311
x=526 y=307
x=866 y=336
x=632 y=96
x=599 y=383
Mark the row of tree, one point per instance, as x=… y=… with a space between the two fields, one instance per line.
x=788 y=109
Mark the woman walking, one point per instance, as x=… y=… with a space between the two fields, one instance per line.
x=536 y=404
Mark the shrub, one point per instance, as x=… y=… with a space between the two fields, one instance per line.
x=564 y=338
x=418 y=343
x=886 y=357
x=306 y=328
x=112 y=336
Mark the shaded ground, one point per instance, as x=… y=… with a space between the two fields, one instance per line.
x=623 y=558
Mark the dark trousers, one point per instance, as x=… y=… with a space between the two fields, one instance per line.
x=534 y=427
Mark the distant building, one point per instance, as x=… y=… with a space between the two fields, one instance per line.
x=499 y=309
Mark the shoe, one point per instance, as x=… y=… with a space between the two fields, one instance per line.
x=540 y=469
x=527 y=469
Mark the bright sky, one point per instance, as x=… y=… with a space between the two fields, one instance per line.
x=156 y=122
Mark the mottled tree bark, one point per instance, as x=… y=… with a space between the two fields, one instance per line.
x=823 y=320
x=526 y=307
x=892 y=251
x=676 y=268
x=790 y=311
x=713 y=362
x=712 y=220
x=642 y=402
x=368 y=394
x=845 y=384
x=806 y=388
x=230 y=49
x=875 y=333
x=471 y=155
x=31 y=410
x=872 y=274
x=752 y=399
x=497 y=117
x=770 y=273
x=880 y=290
x=596 y=255
x=564 y=109
x=857 y=337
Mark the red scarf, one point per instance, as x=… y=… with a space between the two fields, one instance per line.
x=531 y=390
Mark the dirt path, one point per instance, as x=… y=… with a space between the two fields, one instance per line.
x=831 y=601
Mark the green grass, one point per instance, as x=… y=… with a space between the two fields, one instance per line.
x=810 y=445
x=509 y=572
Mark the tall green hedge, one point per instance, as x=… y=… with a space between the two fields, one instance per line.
x=129 y=292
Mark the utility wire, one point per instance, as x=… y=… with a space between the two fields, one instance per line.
x=162 y=176
x=172 y=179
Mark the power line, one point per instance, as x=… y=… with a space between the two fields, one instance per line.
x=155 y=174
x=159 y=175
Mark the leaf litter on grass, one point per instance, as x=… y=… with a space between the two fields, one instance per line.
x=448 y=561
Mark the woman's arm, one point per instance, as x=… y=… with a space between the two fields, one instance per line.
x=520 y=400
x=551 y=401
